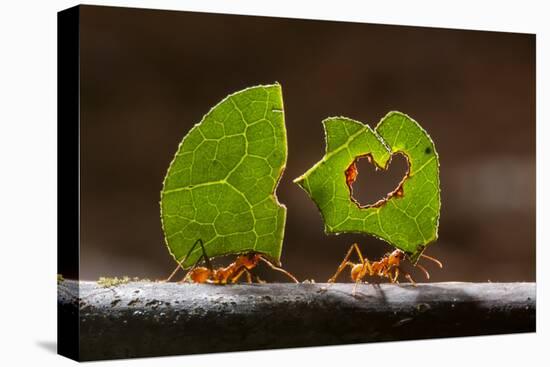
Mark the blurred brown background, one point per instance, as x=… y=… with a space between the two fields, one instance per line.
x=147 y=76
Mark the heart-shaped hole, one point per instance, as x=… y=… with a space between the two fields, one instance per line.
x=375 y=185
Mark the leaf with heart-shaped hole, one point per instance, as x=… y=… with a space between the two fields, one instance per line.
x=408 y=217
x=372 y=183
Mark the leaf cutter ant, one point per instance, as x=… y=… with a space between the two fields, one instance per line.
x=387 y=267
x=223 y=275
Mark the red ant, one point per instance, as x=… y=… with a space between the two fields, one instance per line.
x=223 y=275
x=387 y=267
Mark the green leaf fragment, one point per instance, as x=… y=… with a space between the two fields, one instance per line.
x=408 y=217
x=220 y=187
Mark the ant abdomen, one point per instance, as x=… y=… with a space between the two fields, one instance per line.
x=356 y=272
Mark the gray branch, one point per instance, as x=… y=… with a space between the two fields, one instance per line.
x=142 y=319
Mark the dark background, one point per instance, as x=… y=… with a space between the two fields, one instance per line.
x=148 y=76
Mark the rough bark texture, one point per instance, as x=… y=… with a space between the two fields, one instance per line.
x=142 y=319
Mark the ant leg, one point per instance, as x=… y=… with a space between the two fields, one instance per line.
x=439 y=263
x=178 y=266
x=355 y=287
x=364 y=261
x=367 y=264
x=423 y=270
x=409 y=278
x=279 y=269
x=340 y=268
x=345 y=262
x=395 y=276
x=358 y=251
x=186 y=277
x=235 y=279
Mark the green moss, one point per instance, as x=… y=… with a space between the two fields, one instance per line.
x=115 y=281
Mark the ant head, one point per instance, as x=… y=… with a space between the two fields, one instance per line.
x=396 y=257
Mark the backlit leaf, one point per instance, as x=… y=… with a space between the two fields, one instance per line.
x=220 y=185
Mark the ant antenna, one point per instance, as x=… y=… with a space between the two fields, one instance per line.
x=439 y=263
x=410 y=279
x=423 y=270
x=279 y=269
